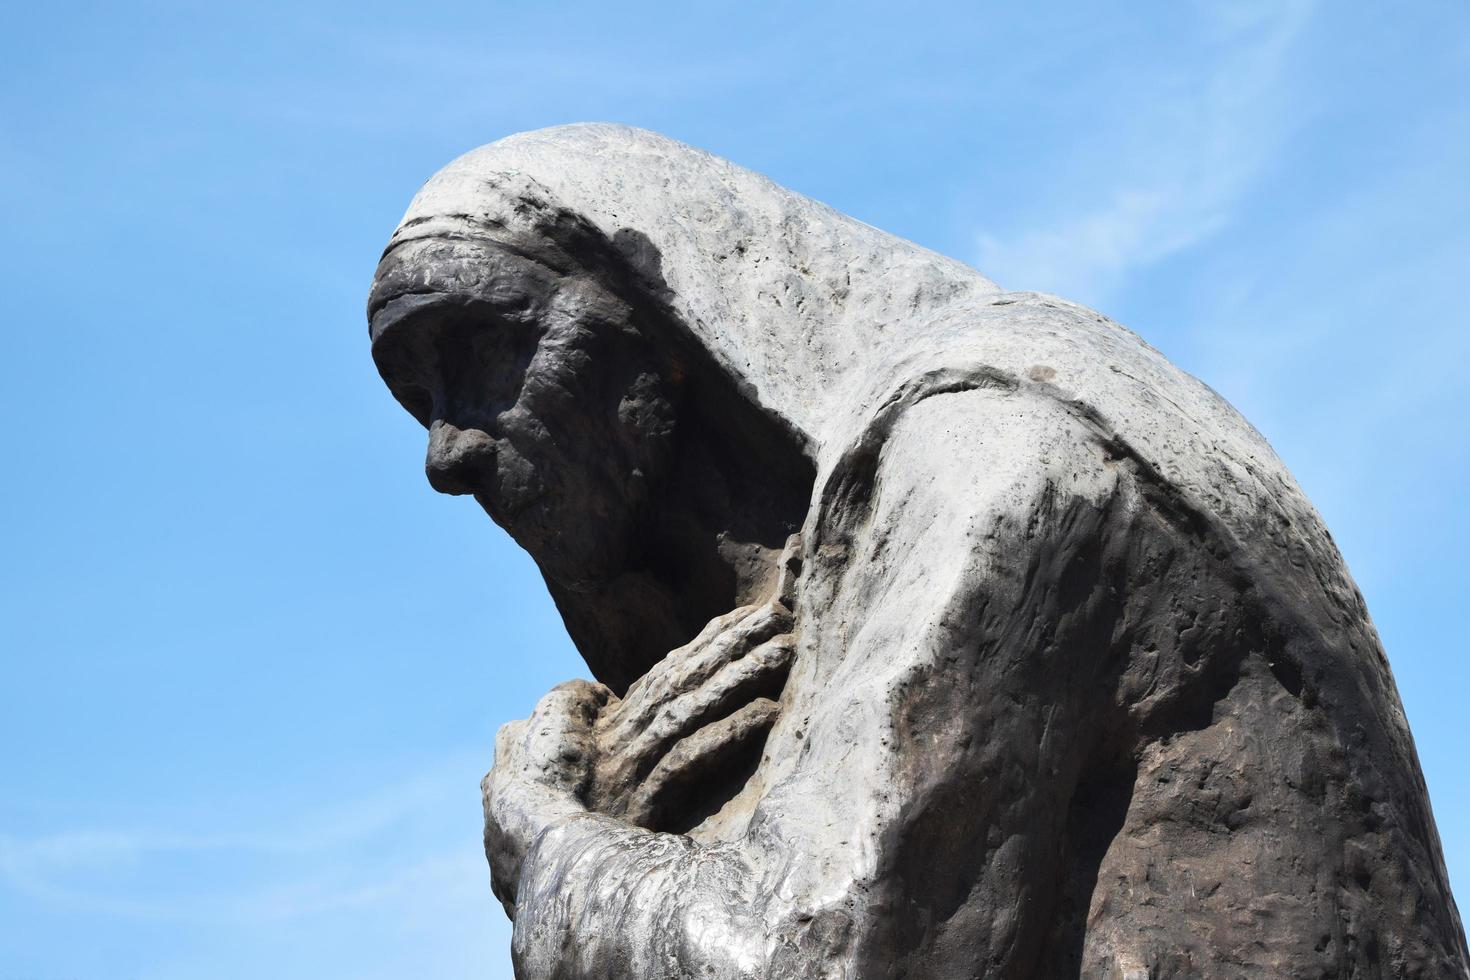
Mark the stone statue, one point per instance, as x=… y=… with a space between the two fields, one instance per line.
x=939 y=631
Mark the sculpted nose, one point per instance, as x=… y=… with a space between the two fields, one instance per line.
x=457 y=457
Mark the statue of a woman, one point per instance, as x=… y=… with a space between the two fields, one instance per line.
x=940 y=631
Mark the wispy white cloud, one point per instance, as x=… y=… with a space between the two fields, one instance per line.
x=352 y=853
x=1195 y=151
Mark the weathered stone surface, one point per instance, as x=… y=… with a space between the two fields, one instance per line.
x=1000 y=646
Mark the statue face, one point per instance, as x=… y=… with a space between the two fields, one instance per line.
x=541 y=398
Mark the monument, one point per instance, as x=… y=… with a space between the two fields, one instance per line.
x=939 y=631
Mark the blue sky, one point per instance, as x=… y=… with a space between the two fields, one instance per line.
x=252 y=664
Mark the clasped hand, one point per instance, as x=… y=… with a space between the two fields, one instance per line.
x=642 y=757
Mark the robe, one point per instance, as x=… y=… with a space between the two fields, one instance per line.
x=1081 y=687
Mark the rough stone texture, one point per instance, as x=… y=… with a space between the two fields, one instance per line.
x=1000 y=646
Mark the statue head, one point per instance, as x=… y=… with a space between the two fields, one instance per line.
x=561 y=392
x=542 y=396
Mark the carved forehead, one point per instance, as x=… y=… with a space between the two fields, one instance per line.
x=499 y=243
x=471 y=270
x=484 y=216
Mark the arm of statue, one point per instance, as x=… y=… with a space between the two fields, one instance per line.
x=592 y=891
x=593 y=895
x=1054 y=723
x=599 y=895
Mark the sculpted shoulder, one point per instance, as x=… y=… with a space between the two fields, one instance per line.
x=1126 y=391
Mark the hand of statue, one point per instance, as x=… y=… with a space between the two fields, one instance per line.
x=696 y=710
x=640 y=756
x=692 y=715
x=540 y=776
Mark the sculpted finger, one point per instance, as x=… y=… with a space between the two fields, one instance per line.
x=507 y=830
x=726 y=638
x=759 y=674
x=507 y=745
x=682 y=666
x=557 y=744
x=697 y=760
x=506 y=766
x=541 y=769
